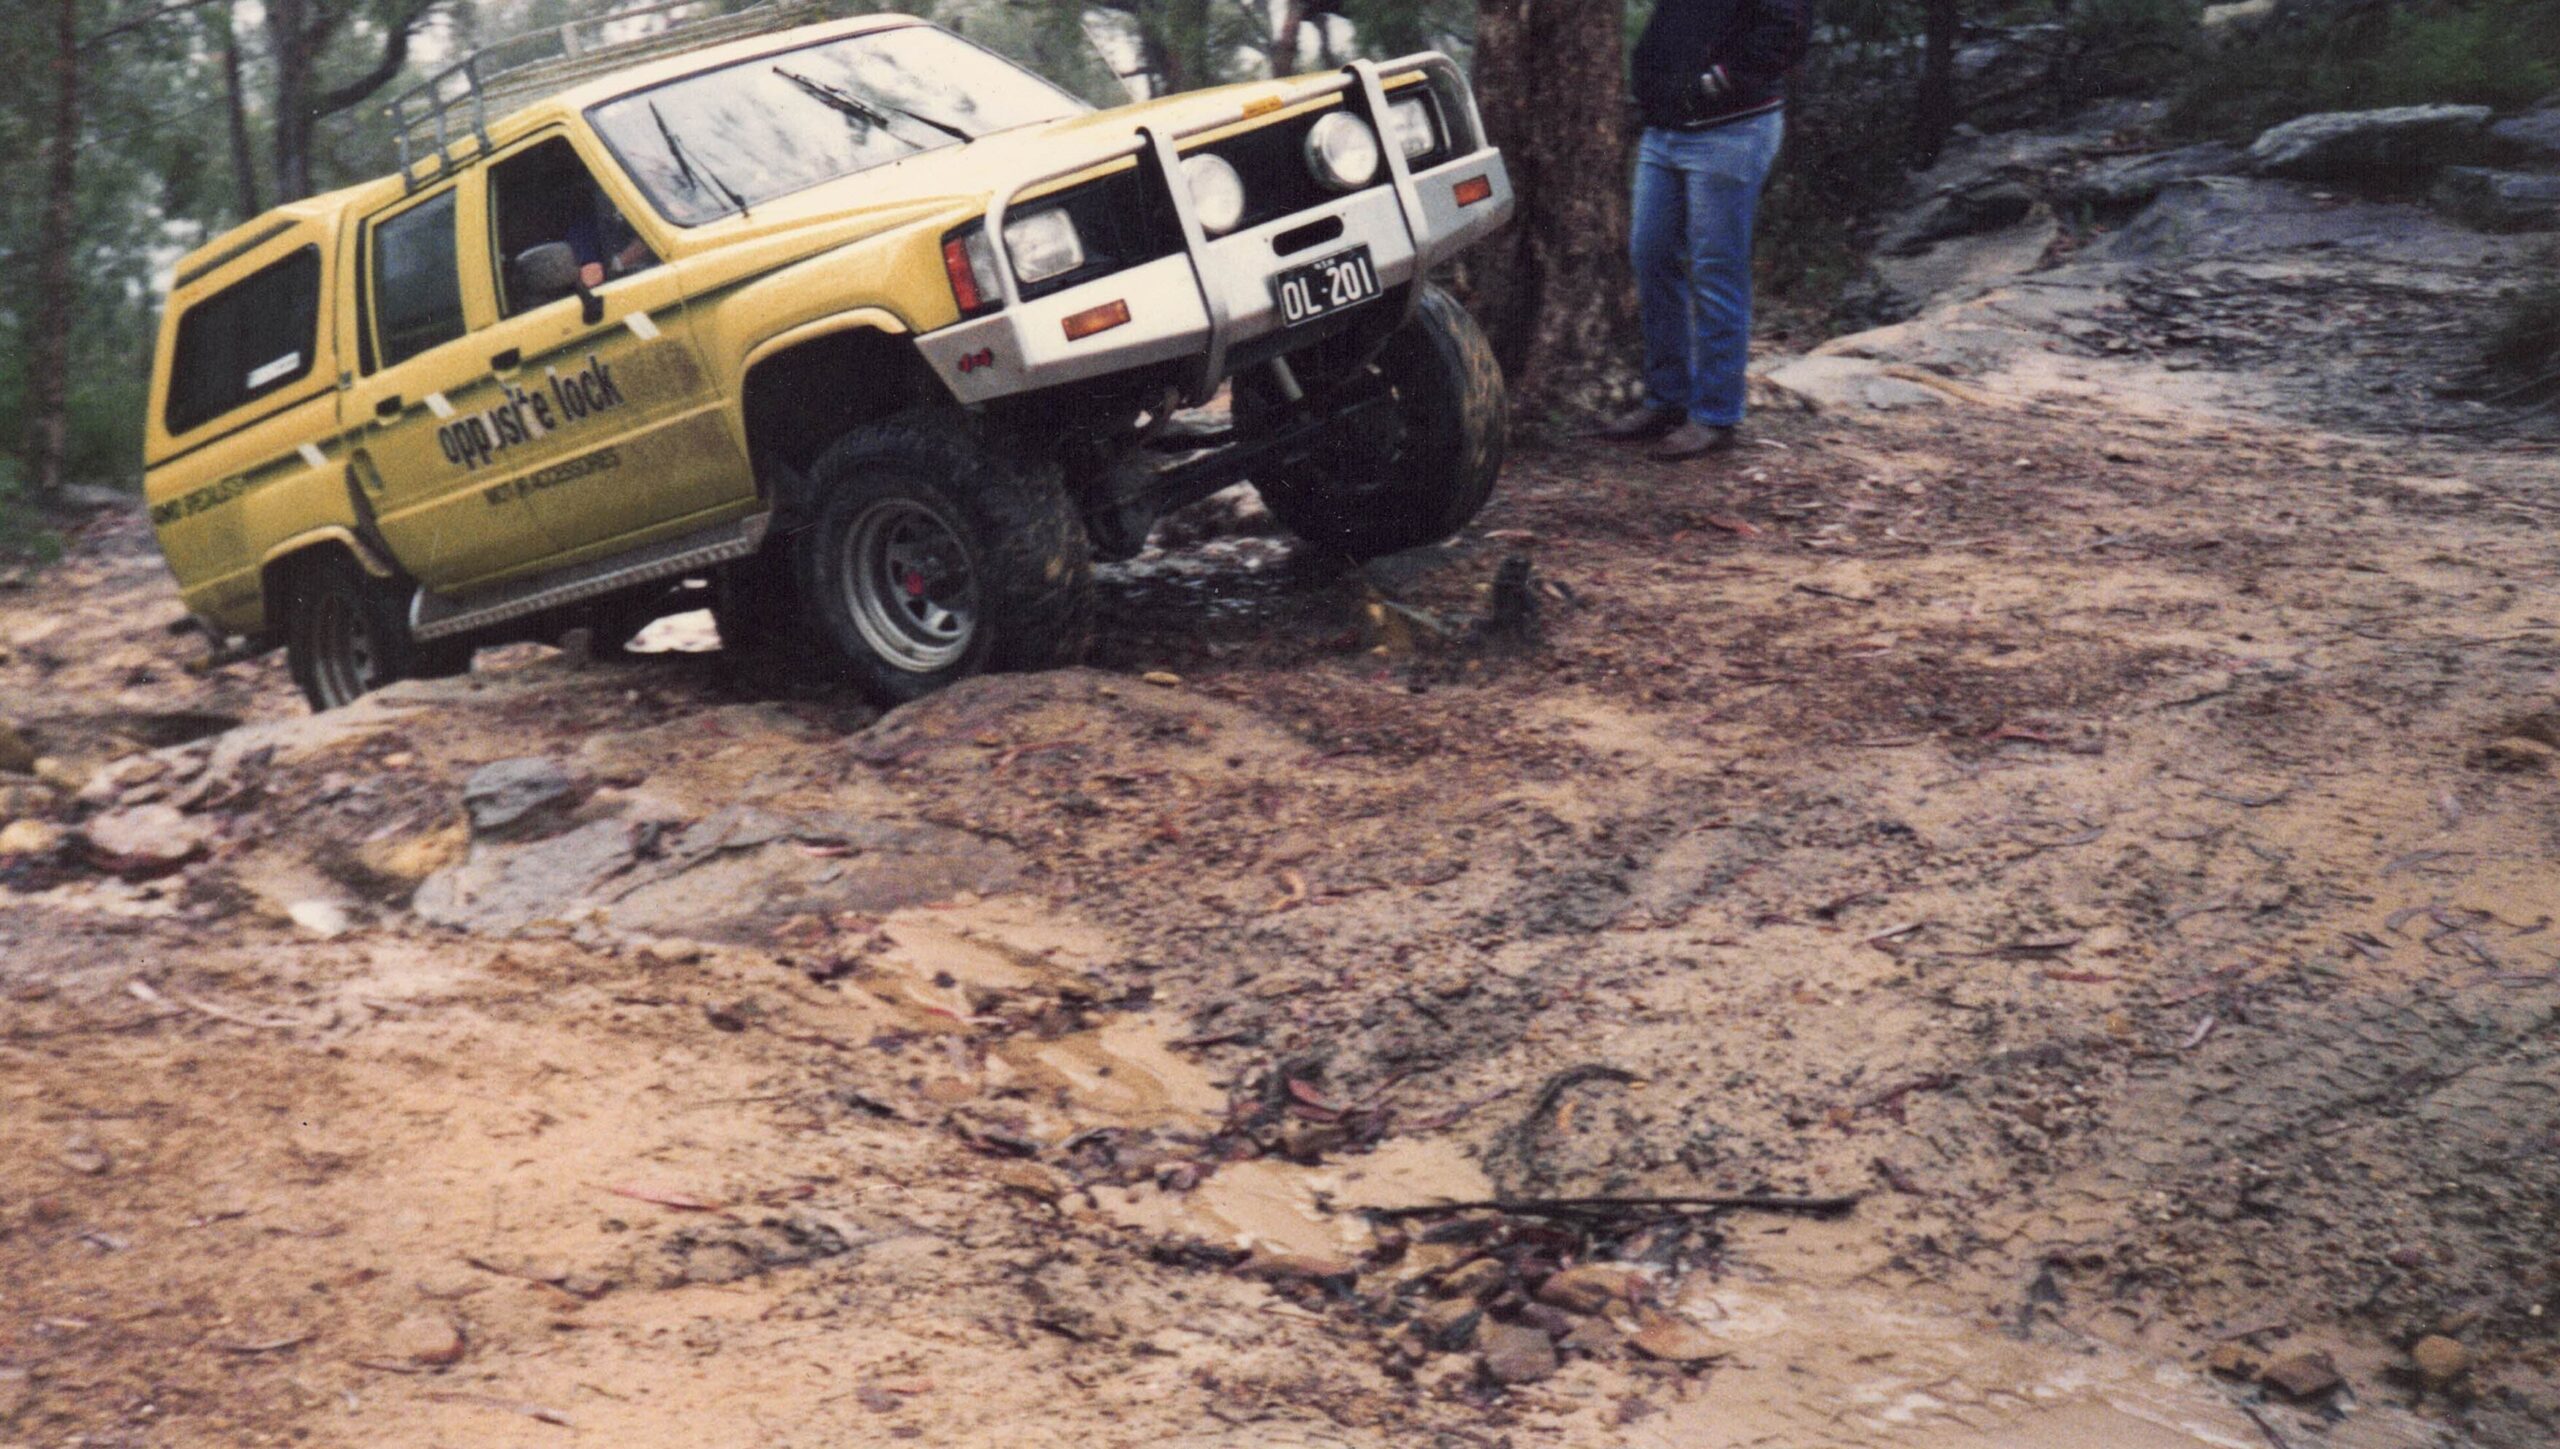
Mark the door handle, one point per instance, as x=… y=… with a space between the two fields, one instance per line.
x=507 y=361
x=390 y=407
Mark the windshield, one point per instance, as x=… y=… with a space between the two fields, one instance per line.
x=720 y=142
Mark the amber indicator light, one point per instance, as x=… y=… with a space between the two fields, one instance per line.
x=1097 y=319
x=1475 y=189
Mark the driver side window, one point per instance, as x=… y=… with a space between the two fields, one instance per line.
x=542 y=198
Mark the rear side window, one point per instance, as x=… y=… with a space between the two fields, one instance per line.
x=417 y=281
x=249 y=339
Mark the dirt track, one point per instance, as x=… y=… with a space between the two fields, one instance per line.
x=2116 y=844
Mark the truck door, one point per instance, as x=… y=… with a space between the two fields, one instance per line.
x=628 y=443
x=419 y=414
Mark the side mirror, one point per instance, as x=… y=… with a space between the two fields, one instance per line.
x=549 y=272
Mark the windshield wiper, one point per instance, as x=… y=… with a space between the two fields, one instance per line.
x=703 y=180
x=853 y=105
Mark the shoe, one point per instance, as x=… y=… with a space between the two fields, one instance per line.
x=1641 y=423
x=1693 y=440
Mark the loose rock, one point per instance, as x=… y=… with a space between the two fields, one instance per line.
x=1673 y=1340
x=148 y=838
x=1480 y=1279
x=1277 y=1267
x=17 y=754
x=326 y=920
x=2498 y=200
x=1590 y=1288
x=1516 y=1355
x=515 y=799
x=29 y=837
x=2440 y=1360
x=426 y=1338
x=2304 y=1375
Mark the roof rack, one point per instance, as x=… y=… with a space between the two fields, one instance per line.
x=453 y=105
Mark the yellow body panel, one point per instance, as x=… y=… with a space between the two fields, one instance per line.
x=540 y=441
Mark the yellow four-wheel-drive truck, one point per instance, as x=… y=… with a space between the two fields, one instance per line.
x=859 y=332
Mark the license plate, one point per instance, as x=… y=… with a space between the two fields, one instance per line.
x=1321 y=288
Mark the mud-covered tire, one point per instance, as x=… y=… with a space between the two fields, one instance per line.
x=1427 y=465
x=940 y=551
x=347 y=634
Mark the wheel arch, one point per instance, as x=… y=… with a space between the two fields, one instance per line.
x=282 y=562
x=806 y=388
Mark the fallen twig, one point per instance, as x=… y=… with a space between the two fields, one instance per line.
x=1604 y=1206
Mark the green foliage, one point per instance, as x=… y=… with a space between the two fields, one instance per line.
x=2124 y=47
x=2502 y=53
x=23 y=536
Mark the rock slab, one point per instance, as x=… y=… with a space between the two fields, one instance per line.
x=1516 y=1354
x=2398 y=146
x=2498 y=200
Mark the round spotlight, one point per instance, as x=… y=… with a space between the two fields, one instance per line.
x=1343 y=152
x=1217 y=192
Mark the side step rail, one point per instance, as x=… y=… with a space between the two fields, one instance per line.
x=434 y=616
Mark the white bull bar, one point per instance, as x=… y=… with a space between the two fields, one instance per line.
x=1207 y=300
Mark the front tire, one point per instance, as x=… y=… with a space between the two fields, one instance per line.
x=939 y=552
x=1412 y=473
x=347 y=635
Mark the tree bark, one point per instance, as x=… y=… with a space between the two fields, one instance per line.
x=1554 y=292
x=299 y=32
x=1933 y=109
x=48 y=442
x=244 y=158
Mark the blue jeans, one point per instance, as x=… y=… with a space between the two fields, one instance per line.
x=1696 y=195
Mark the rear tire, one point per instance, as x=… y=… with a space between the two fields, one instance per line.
x=939 y=552
x=1426 y=465
x=347 y=634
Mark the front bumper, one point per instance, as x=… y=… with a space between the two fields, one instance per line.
x=1215 y=298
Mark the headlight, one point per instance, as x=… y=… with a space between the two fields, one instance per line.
x=1217 y=192
x=1043 y=245
x=1417 y=135
x=1343 y=152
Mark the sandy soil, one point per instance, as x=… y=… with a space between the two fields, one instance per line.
x=2112 y=842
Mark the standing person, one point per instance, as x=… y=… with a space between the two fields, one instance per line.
x=1710 y=80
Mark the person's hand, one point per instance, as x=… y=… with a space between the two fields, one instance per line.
x=591 y=275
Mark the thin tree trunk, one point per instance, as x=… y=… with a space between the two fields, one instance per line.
x=244 y=160
x=48 y=442
x=1554 y=292
x=1284 y=41
x=1933 y=110
x=289 y=41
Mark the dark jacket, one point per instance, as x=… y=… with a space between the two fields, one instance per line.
x=1704 y=62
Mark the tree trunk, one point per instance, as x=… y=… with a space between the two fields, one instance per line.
x=289 y=41
x=48 y=442
x=1933 y=110
x=1284 y=40
x=1554 y=292
x=244 y=160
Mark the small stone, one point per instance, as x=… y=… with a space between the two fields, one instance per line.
x=427 y=1338
x=2233 y=1361
x=1593 y=1337
x=84 y=1156
x=2440 y=1360
x=1280 y=1267
x=60 y=774
x=1670 y=1339
x=1516 y=1355
x=148 y=838
x=29 y=837
x=587 y=1285
x=17 y=755
x=1590 y=1288
x=1478 y=1280
x=517 y=798
x=326 y=920
x=1448 y=1324
x=2304 y=1375
x=1162 y=679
